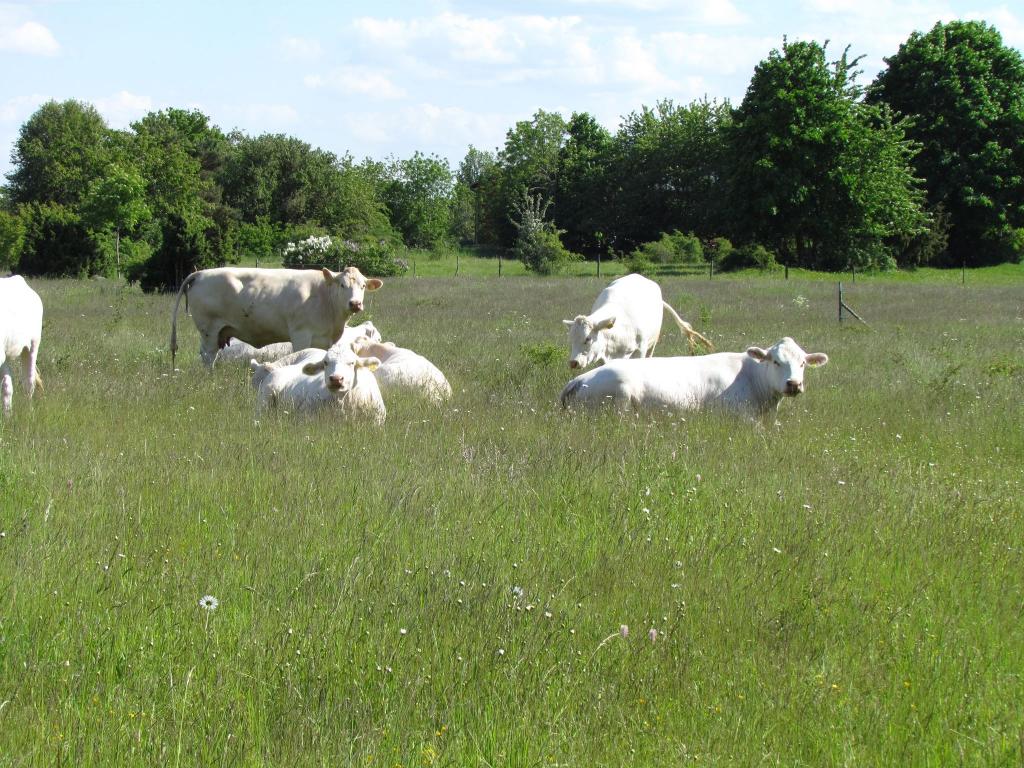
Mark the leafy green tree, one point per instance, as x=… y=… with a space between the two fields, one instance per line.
x=60 y=150
x=668 y=165
x=257 y=240
x=117 y=201
x=183 y=249
x=964 y=92
x=418 y=196
x=582 y=188
x=818 y=176
x=12 y=236
x=529 y=164
x=477 y=188
x=57 y=243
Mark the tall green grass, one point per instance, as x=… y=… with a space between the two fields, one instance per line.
x=845 y=587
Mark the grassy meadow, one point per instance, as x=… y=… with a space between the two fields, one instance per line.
x=843 y=588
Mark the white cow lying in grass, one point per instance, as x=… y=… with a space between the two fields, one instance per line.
x=751 y=382
x=625 y=321
x=21 y=330
x=240 y=351
x=334 y=378
x=404 y=369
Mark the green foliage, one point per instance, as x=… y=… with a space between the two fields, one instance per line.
x=539 y=245
x=751 y=255
x=419 y=195
x=57 y=243
x=12 y=237
x=667 y=164
x=183 y=249
x=583 y=186
x=672 y=248
x=61 y=149
x=964 y=92
x=376 y=258
x=544 y=354
x=817 y=175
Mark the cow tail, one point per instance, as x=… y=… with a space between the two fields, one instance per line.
x=688 y=330
x=186 y=283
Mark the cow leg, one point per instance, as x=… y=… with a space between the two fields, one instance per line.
x=208 y=349
x=28 y=369
x=6 y=387
x=301 y=340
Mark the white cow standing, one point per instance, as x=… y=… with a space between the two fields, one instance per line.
x=237 y=351
x=751 y=382
x=335 y=378
x=308 y=307
x=21 y=330
x=402 y=368
x=625 y=321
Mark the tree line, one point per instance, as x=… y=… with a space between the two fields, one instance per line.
x=923 y=166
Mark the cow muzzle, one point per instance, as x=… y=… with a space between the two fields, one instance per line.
x=794 y=388
x=355 y=306
x=336 y=383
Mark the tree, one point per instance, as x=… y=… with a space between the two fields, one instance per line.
x=668 y=164
x=60 y=150
x=477 y=186
x=528 y=163
x=418 y=196
x=183 y=249
x=116 y=200
x=964 y=92
x=818 y=176
x=538 y=242
x=582 y=185
x=57 y=243
x=12 y=236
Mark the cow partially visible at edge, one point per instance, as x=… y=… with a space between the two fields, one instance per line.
x=309 y=308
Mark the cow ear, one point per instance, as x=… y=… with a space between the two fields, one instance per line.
x=608 y=322
x=569 y=322
x=328 y=275
x=311 y=368
x=757 y=353
x=373 y=363
x=374 y=283
x=815 y=359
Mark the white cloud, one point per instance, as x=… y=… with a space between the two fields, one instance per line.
x=271 y=115
x=427 y=124
x=301 y=48
x=19 y=108
x=634 y=62
x=357 y=79
x=715 y=12
x=123 y=108
x=29 y=37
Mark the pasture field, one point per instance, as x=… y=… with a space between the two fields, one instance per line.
x=843 y=588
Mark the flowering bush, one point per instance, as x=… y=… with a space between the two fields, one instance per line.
x=376 y=258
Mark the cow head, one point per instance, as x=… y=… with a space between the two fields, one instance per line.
x=782 y=365
x=339 y=366
x=586 y=340
x=350 y=286
x=367 y=330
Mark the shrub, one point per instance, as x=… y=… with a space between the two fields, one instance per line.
x=539 y=244
x=183 y=249
x=57 y=243
x=674 y=248
x=376 y=258
x=752 y=255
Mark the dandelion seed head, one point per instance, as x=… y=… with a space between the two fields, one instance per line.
x=624 y=630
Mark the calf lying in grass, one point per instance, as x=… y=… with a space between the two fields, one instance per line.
x=404 y=369
x=333 y=378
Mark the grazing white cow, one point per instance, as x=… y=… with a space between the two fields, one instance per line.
x=237 y=351
x=404 y=369
x=751 y=382
x=262 y=306
x=21 y=330
x=332 y=378
x=625 y=321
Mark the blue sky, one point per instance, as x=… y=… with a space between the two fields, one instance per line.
x=389 y=78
